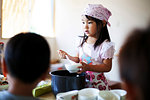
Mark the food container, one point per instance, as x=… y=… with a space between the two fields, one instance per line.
x=63 y=81
x=3 y=83
x=42 y=88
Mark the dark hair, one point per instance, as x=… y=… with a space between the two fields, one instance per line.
x=134 y=60
x=27 y=56
x=102 y=32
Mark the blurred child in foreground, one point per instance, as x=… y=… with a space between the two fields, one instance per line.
x=26 y=63
x=134 y=62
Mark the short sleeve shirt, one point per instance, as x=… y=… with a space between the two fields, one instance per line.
x=103 y=51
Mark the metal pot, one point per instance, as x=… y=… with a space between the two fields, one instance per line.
x=63 y=81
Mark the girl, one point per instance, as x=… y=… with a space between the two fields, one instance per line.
x=95 y=52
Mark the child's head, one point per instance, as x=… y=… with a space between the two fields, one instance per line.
x=97 y=11
x=134 y=61
x=100 y=15
x=27 y=56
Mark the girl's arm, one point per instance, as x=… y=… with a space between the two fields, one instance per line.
x=75 y=59
x=63 y=54
x=104 y=67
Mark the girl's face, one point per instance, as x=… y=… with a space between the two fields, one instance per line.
x=89 y=27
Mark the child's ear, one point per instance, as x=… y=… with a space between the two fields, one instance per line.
x=44 y=76
x=4 y=67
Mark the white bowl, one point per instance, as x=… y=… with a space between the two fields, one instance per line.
x=120 y=92
x=108 y=95
x=89 y=94
x=67 y=95
x=73 y=68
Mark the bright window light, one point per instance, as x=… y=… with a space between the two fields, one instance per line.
x=27 y=15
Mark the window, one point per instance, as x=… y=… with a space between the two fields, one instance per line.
x=27 y=15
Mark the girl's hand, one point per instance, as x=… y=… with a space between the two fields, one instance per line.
x=62 y=54
x=83 y=68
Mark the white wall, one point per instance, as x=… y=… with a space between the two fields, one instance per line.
x=126 y=14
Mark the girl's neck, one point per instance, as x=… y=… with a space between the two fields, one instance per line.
x=91 y=40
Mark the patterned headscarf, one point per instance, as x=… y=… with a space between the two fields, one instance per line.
x=97 y=11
